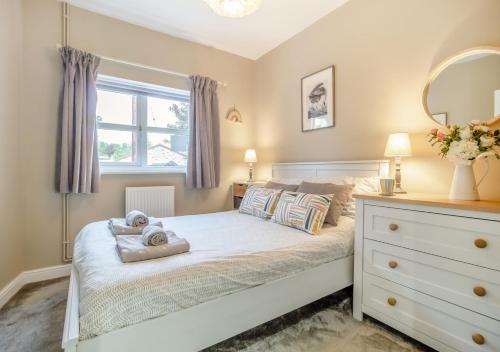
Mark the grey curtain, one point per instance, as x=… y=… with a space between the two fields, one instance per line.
x=203 y=170
x=78 y=162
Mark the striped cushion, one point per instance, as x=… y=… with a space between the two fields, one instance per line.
x=303 y=211
x=260 y=202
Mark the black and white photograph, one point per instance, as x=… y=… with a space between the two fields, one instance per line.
x=318 y=100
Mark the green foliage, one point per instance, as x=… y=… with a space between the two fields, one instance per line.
x=476 y=131
x=115 y=151
x=181 y=111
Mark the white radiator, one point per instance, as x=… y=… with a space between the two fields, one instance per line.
x=153 y=201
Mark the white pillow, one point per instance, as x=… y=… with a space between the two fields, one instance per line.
x=367 y=184
x=363 y=185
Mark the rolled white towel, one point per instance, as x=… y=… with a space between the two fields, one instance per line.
x=136 y=218
x=120 y=227
x=154 y=236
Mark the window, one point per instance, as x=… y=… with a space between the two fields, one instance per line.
x=141 y=127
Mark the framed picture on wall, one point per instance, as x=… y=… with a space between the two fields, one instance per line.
x=441 y=118
x=318 y=100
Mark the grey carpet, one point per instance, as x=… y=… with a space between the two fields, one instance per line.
x=33 y=321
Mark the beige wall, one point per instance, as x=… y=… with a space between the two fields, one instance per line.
x=108 y=37
x=465 y=90
x=11 y=236
x=383 y=52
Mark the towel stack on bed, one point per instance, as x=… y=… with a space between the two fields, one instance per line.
x=141 y=238
x=132 y=249
x=124 y=227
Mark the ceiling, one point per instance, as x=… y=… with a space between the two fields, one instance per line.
x=250 y=37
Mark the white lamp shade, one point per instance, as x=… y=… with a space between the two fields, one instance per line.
x=398 y=144
x=250 y=156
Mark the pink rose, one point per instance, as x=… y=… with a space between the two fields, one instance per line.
x=440 y=136
x=434 y=131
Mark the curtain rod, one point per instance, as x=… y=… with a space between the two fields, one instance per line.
x=146 y=67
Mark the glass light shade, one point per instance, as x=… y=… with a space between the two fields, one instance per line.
x=398 y=144
x=234 y=8
x=250 y=156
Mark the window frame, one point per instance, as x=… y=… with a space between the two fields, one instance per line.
x=141 y=92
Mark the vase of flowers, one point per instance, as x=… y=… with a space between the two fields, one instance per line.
x=463 y=146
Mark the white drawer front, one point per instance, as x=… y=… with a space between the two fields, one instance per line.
x=444 y=235
x=445 y=322
x=456 y=282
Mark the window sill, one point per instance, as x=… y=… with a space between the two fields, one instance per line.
x=124 y=170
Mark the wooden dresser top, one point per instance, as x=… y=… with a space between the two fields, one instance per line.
x=434 y=200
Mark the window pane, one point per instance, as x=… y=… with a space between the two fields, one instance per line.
x=167 y=113
x=167 y=149
x=117 y=146
x=113 y=107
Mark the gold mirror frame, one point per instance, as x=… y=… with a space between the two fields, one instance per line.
x=451 y=60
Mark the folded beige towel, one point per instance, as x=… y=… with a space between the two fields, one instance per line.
x=120 y=227
x=131 y=249
x=155 y=235
x=136 y=218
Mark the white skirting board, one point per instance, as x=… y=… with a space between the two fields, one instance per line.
x=31 y=276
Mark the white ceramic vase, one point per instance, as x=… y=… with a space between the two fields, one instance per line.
x=464 y=186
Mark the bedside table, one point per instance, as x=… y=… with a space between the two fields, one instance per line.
x=239 y=189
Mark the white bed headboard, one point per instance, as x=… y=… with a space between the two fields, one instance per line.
x=359 y=168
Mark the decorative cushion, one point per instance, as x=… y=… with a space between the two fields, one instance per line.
x=302 y=211
x=282 y=186
x=260 y=202
x=362 y=185
x=341 y=196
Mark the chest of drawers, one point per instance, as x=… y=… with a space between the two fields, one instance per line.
x=430 y=268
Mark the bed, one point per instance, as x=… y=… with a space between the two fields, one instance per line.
x=241 y=272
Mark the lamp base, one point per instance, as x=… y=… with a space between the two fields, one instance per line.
x=398 y=188
x=250 y=172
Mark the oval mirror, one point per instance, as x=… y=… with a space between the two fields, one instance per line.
x=465 y=87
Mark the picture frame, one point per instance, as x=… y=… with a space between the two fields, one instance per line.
x=318 y=100
x=441 y=118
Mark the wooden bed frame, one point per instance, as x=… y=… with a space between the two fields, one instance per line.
x=206 y=324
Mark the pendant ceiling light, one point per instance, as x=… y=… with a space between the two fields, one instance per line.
x=234 y=8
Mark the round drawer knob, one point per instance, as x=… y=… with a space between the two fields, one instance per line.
x=480 y=243
x=478 y=338
x=392 y=301
x=393 y=227
x=479 y=291
x=393 y=264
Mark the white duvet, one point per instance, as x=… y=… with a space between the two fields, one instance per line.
x=229 y=252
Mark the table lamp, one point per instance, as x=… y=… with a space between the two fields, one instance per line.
x=398 y=145
x=250 y=158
